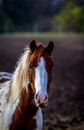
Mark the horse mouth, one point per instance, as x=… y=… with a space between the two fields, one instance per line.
x=41 y=105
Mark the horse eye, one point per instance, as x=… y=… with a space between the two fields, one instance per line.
x=31 y=66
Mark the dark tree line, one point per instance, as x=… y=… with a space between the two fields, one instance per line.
x=22 y=15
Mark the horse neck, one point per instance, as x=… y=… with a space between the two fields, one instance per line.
x=24 y=113
x=27 y=102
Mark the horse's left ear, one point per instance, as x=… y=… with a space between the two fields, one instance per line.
x=32 y=46
x=50 y=47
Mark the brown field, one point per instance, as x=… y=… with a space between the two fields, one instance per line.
x=66 y=101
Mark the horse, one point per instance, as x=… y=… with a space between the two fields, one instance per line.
x=23 y=96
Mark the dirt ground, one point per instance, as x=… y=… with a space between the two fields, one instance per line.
x=65 y=110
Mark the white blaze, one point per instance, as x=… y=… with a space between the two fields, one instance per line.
x=39 y=119
x=41 y=78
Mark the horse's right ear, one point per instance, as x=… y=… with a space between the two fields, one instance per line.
x=32 y=46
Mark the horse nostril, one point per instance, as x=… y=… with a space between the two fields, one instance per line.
x=41 y=98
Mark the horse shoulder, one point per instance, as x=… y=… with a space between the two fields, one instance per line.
x=39 y=119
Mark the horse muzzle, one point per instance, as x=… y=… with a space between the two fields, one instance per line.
x=41 y=100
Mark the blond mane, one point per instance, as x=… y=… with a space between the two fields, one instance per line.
x=20 y=77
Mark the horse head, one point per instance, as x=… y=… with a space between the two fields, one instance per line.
x=40 y=71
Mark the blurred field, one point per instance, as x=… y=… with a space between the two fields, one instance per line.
x=66 y=104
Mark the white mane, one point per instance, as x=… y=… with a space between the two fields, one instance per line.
x=20 y=77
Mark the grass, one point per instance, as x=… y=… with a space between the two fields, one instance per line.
x=39 y=35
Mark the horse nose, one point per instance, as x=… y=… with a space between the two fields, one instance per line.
x=41 y=98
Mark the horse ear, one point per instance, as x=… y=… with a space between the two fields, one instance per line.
x=50 y=47
x=32 y=46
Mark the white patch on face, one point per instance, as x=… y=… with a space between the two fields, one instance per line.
x=41 y=78
x=39 y=119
